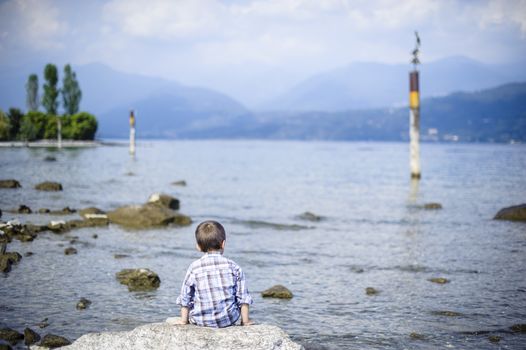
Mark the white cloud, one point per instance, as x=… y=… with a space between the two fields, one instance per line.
x=499 y=12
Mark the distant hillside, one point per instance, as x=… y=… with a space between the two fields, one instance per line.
x=492 y=115
x=374 y=85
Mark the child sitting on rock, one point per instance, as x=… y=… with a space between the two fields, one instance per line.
x=214 y=291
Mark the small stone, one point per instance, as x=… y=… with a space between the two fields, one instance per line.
x=417 y=336
x=139 y=279
x=30 y=336
x=44 y=323
x=447 y=313
x=68 y=210
x=494 y=338
x=54 y=341
x=95 y=236
x=371 y=291
x=49 y=186
x=179 y=183
x=519 y=328
x=28 y=254
x=10 y=335
x=120 y=256
x=432 y=206
x=50 y=159
x=11 y=183
x=44 y=211
x=308 y=216
x=83 y=304
x=439 y=280
x=70 y=251
x=277 y=291
x=24 y=209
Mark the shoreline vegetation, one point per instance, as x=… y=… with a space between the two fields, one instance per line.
x=55 y=144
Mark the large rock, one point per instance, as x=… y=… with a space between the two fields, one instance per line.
x=49 y=186
x=54 y=341
x=277 y=291
x=10 y=335
x=147 y=216
x=168 y=336
x=8 y=259
x=515 y=213
x=10 y=183
x=164 y=200
x=139 y=279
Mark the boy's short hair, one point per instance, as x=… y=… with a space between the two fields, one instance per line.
x=209 y=235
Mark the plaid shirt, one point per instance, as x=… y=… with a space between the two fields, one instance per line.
x=214 y=289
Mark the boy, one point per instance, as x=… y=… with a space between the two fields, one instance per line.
x=214 y=292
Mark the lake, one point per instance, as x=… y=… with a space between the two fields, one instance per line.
x=374 y=232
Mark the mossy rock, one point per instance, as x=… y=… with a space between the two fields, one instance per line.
x=70 y=251
x=30 y=336
x=139 y=279
x=54 y=341
x=371 y=291
x=519 y=328
x=10 y=183
x=10 y=335
x=439 y=280
x=147 y=216
x=8 y=259
x=514 y=213
x=277 y=291
x=432 y=206
x=417 y=336
x=49 y=186
x=494 y=338
x=24 y=209
x=83 y=304
x=164 y=200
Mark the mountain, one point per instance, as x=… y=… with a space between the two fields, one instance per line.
x=374 y=85
x=492 y=115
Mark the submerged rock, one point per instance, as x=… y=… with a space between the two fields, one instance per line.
x=417 y=336
x=514 y=213
x=277 y=291
x=30 y=336
x=83 y=304
x=371 y=291
x=179 y=183
x=8 y=259
x=139 y=279
x=439 y=280
x=447 y=313
x=168 y=336
x=10 y=335
x=44 y=211
x=519 y=328
x=49 y=186
x=494 y=338
x=432 y=206
x=50 y=159
x=70 y=251
x=147 y=216
x=308 y=216
x=10 y=183
x=164 y=200
x=24 y=209
x=64 y=211
x=54 y=341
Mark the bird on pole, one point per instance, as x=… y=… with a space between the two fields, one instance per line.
x=416 y=51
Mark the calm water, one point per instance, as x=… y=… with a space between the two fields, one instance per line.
x=374 y=234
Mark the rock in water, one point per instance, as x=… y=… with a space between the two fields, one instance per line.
x=10 y=335
x=30 y=336
x=49 y=186
x=24 y=209
x=9 y=184
x=179 y=183
x=54 y=341
x=439 y=280
x=139 y=279
x=8 y=259
x=277 y=291
x=168 y=336
x=83 y=304
x=519 y=328
x=70 y=251
x=90 y=210
x=432 y=206
x=515 y=213
x=147 y=216
x=164 y=200
x=308 y=216
x=371 y=291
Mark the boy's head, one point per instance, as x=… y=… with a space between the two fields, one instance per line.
x=210 y=235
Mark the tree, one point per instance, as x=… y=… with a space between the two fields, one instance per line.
x=15 y=118
x=33 y=126
x=71 y=94
x=4 y=126
x=32 y=93
x=80 y=126
x=49 y=100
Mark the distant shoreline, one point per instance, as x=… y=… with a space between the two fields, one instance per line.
x=54 y=144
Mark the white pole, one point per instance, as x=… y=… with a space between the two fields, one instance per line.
x=132 y=133
x=414 y=147
x=59 y=132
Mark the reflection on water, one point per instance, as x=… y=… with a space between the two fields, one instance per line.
x=374 y=233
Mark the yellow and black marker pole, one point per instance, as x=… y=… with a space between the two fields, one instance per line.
x=414 y=124
x=132 y=133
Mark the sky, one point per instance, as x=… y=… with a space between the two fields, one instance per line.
x=250 y=49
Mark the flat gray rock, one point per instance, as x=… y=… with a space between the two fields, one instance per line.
x=161 y=336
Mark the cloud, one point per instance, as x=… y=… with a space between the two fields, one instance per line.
x=499 y=12
x=32 y=23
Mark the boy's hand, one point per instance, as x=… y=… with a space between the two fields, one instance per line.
x=180 y=322
x=248 y=323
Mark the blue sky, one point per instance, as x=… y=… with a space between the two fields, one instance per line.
x=229 y=44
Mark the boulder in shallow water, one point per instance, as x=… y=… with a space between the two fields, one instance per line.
x=49 y=186
x=54 y=341
x=514 y=213
x=164 y=200
x=147 y=216
x=494 y=338
x=277 y=291
x=371 y=291
x=10 y=335
x=432 y=206
x=439 y=280
x=70 y=251
x=10 y=183
x=308 y=216
x=168 y=336
x=139 y=279
x=519 y=328
x=24 y=209
x=179 y=183
x=30 y=336
x=8 y=259
x=83 y=304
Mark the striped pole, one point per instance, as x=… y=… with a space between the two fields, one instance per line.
x=414 y=124
x=132 y=133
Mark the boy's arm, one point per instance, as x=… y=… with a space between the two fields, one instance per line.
x=184 y=316
x=245 y=320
